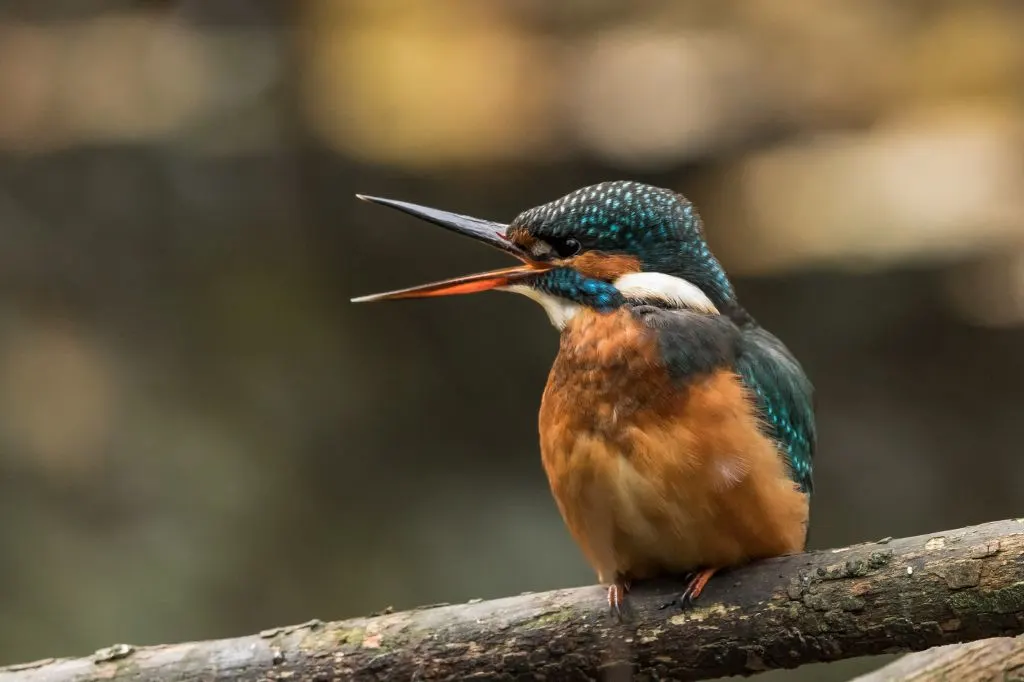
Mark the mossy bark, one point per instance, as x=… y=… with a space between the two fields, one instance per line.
x=878 y=597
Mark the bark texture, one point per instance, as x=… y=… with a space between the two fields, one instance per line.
x=986 y=660
x=878 y=597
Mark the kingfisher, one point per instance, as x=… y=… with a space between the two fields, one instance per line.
x=676 y=433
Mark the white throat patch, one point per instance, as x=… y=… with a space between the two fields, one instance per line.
x=560 y=310
x=640 y=287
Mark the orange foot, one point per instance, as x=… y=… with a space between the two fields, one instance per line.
x=617 y=596
x=694 y=586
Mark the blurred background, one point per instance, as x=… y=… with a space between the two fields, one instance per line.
x=201 y=437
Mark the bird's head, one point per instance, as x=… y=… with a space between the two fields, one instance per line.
x=597 y=247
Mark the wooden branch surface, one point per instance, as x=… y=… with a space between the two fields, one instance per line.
x=877 y=597
x=985 y=660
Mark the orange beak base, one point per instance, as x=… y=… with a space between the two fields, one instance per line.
x=469 y=284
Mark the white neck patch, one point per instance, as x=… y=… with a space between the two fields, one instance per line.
x=659 y=288
x=640 y=287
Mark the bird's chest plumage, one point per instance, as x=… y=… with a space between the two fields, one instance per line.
x=653 y=475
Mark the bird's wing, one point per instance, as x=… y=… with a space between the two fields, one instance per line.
x=785 y=399
x=695 y=343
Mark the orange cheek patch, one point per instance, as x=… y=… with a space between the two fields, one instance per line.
x=607 y=267
x=521 y=238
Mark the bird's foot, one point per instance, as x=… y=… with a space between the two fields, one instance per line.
x=617 y=597
x=695 y=583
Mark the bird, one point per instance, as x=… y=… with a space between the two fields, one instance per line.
x=677 y=434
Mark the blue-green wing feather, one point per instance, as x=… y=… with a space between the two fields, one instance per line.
x=785 y=399
x=692 y=344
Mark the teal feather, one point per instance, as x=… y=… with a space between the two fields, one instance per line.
x=661 y=227
x=784 y=397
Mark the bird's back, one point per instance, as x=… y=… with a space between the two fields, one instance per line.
x=655 y=443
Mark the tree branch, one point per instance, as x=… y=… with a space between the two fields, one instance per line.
x=877 y=597
x=1001 y=658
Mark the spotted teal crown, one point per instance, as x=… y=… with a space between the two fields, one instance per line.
x=660 y=227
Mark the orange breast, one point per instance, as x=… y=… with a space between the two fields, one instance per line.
x=652 y=477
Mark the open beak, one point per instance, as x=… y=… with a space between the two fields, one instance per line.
x=480 y=230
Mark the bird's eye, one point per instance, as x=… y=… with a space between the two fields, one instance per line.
x=565 y=247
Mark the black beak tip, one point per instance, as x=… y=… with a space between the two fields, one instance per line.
x=370 y=200
x=427 y=213
x=486 y=231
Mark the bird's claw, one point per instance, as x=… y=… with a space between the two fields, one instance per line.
x=695 y=583
x=617 y=598
x=682 y=599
